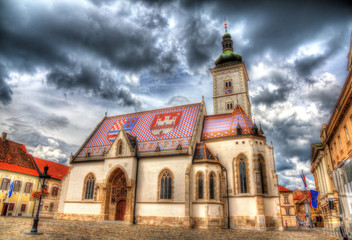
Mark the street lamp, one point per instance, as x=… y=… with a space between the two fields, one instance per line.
x=45 y=176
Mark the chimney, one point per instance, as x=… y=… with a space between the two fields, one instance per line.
x=3 y=136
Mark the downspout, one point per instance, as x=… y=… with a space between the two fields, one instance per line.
x=135 y=187
x=227 y=197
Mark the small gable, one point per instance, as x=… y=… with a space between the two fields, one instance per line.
x=203 y=154
x=124 y=145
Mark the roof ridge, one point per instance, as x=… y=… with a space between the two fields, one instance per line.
x=153 y=110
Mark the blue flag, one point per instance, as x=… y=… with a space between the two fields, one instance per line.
x=314 y=198
x=11 y=188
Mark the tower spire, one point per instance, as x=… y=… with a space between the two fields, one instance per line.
x=225 y=24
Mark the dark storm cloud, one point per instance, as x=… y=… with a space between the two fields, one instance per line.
x=62 y=38
x=5 y=90
x=306 y=65
x=93 y=80
x=285 y=164
x=200 y=41
x=269 y=97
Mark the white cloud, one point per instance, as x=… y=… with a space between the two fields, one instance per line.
x=52 y=152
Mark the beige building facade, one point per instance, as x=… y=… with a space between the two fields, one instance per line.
x=179 y=166
x=330 y=158
x=288 y=211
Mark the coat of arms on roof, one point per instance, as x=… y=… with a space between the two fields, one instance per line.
x=127 y=124
x=164 y=123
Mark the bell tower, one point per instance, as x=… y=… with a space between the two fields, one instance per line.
x=230 y=80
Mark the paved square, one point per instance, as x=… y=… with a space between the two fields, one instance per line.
x=14 y=227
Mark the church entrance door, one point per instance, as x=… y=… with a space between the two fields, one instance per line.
x=118 y=194
x=120 y=210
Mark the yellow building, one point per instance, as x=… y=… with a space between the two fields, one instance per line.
x=287 y=206
x=333 y=151
x=17 y=167
x=50 y=204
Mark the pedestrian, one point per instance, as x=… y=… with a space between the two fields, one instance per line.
x=286 y=223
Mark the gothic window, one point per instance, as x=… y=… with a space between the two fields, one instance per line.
x=119 y=147
x=28 y=187
x=243 y=175
x=5 y=184
x=89 y=187
x=17 y=186
x=262 y=171
x=165 y=185
x=212 y=186
x=200 y=186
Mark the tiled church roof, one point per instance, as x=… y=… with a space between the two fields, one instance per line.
x=56 y=170
x=165 y=128
x=204 y=154
x=222 y=125
x=14 y=157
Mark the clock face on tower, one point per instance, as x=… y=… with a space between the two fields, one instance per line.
x=228 y=90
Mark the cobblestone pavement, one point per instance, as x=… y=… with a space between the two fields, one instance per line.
x=14 y=227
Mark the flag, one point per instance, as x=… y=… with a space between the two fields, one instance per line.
x=11 y=188
x=304 y=180
x=314 y=198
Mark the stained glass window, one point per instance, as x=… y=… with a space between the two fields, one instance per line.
x=90 y=187
x=200 y=186
x=211 y=186
x=243 y=177
x=166 y=186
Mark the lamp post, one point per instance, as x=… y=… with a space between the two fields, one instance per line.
x=45 y=176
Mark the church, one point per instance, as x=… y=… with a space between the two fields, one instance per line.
x=179 y=166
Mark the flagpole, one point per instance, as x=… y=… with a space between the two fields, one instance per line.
x=307 y=201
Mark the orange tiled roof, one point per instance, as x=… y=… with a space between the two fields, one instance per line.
x=18 y=169
x=56 y=170
x=14 y=157
x=283 y=189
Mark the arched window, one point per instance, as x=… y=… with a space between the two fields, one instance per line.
x=262 y=171
x=243 y=175
x=200 y=185
x=212 y=186
x=119 y=147
x=89 y=187
x=166 y=185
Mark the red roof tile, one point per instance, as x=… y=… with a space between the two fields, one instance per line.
x=14 y=157
x=283 y=189
x=56 y=170
x=18 y=169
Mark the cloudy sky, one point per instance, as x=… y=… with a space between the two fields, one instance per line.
x=63 y=64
